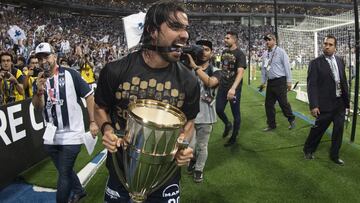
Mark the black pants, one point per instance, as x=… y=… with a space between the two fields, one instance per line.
x=277 y=91
x=337 y=116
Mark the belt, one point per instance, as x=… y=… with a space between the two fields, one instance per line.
x=274 y=79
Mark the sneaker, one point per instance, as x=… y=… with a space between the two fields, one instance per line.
x=191 y=167
x=292 y=125
x=198 y=176
x=267 y=129
x=309 y=156
x=230 y=142
x=228 y=128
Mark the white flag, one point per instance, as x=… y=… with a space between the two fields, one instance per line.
x=40 y=29
x=134 y=26
x=105 y=39
x=16 y=33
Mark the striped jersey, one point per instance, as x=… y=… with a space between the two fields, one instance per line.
x=62 y=96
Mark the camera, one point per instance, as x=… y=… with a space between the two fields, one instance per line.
x=7 y=75
x=196 y=52
x=36 y=72
x=208 y=98
x=47 y=71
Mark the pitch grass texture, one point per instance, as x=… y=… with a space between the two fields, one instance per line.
x=261 y=167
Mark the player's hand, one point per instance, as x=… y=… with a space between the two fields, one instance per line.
x=231 y=94
x=315 y=112
x=111 y=141
x=94 y=129
x=183 y=156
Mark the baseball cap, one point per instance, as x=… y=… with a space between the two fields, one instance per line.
x=43 y=48
x=205 y=43
x=269 y=36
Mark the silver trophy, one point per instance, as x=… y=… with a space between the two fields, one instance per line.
x=145 y=161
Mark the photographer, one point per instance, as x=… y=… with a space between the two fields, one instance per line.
x=30 y=75
x=86 y=70
x=207 y=115
x=11 y=80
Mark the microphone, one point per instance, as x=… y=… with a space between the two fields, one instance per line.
x=161 y=49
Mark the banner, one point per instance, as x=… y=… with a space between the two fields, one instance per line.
x=133 y=26
x=21 y=142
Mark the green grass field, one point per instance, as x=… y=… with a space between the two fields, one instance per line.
x=262 y=167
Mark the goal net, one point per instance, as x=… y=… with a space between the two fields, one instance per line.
x=304 y=43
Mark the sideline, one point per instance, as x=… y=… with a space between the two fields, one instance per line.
x=20 y=191
x=310 y=121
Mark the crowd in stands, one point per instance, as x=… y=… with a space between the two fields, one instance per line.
x=87 y=41
x=222 y=7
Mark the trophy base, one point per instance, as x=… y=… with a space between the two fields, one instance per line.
x=137 y=198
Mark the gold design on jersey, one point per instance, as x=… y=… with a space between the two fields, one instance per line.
x=143 y=84
x=152 y=83
x=118 y=95
x=174 y=92
x=126 y=86
x=168 y=85
x=180 y=103
x=160 y=87
x=182 y=96
x=135 y=81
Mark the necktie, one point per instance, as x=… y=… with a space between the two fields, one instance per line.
x=336 y=76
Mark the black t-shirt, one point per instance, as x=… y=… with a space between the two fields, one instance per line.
x=231 y=60
x=131 y=78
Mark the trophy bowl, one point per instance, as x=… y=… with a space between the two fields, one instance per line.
x=145 y=161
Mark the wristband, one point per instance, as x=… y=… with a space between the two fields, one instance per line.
x=102 y=129
x=196 y=68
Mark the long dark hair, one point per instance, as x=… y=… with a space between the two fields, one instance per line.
x=159 y=13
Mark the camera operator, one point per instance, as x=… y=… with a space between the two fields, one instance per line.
x=31 y=74
x=207 y=115
x=11 y=80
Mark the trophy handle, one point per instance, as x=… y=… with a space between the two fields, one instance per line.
x=118 y=171
x=182 y=144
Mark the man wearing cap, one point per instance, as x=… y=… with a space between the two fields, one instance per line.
x=276 y=76
x=57 y=92
x=205 y=119
x=233 y=65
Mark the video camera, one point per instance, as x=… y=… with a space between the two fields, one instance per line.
x=196 y=52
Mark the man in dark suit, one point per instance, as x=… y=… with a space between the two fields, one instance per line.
x=328 y=99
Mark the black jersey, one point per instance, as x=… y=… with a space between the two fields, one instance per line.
x=231 y=60
x=131 y=78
